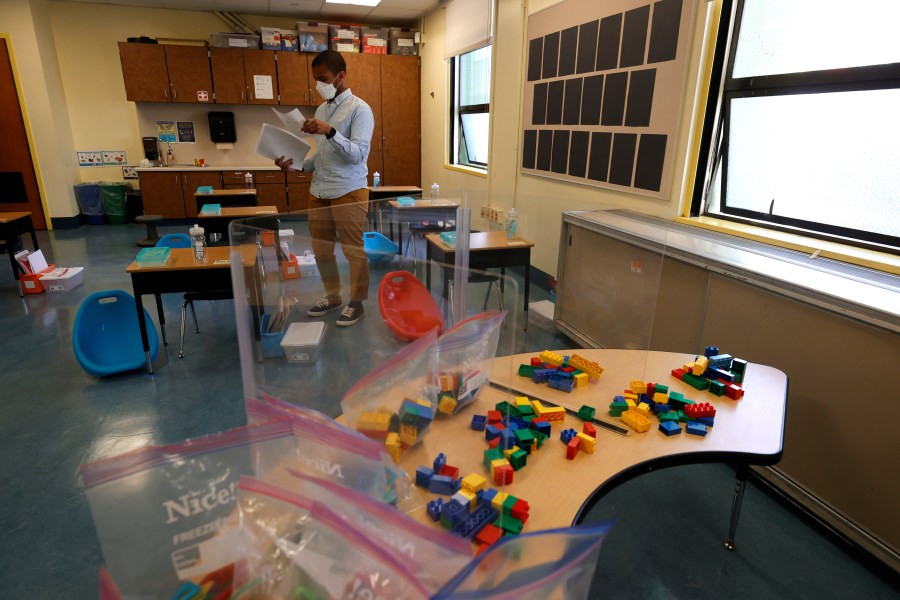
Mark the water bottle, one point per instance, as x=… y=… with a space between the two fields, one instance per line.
x=376 y=180
x=248 y=180
x=435 y=190
x=198 y=243
x=512 y=223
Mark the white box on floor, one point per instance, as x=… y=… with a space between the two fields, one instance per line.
x=62 y=280
x=307 y=265
x=302 y=342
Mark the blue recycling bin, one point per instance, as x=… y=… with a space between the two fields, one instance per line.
x=88 y=196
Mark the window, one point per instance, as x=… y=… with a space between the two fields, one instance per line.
x=803 y=134
x=470 y=77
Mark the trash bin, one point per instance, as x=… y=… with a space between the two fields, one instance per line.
x=134 y=205
x=88 y=196
x=112 y=194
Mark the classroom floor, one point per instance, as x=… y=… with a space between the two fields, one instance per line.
x=667 y=541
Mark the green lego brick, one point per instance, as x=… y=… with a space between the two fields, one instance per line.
x=738 y=377
x=618 y=405
x=586 y=413
x=526 y=411
x=615 y=413
x=669 y=416
x=524 y=437
x=539 y=437
x=696 y=382
x=526 y=371
x=739 y=366
x=682 y=418
x=491 y=455
x=508 y=504
x=676 y=396
x=509 y=524
x=518 y=459
x=662 y=389
x=506 y=408
x=717 y=388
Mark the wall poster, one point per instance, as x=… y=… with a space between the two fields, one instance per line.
x=603 y=92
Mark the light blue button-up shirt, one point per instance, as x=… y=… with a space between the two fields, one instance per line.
x=339 y=164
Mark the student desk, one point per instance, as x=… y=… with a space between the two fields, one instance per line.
x=238 y=197
x=487 y=250
x=560 y=491
x=13 y=225
x=422 y=210
x=218 y=223
x=182 y=274
x=381 y=194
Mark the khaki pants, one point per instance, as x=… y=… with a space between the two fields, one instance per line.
x=344 y=218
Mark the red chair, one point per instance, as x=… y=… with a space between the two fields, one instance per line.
x=407 y=307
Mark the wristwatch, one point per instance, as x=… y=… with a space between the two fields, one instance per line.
x=330 y=134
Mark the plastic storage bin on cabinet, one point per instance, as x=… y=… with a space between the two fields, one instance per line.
x=312 y=36
x=235 y=40
x=88 y=196
x=112 y=195
x=303 y=341
x=403 y=41
x=343 y=38
x=374 y=40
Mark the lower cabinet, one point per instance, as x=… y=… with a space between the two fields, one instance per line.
x=191 y=180
x=298 y=190
x=161 y=193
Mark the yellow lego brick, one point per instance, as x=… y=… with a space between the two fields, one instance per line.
x=424 y=403
x=448 y=382
x=498 y=501
x=522 y=401
x=392 y=443
x=638 y=387
x=551 y=358
x=688 y=367
x=627 y=396
x=497 y=463
x=699 y=366
x=631 y=403
x=661 y=398
x=408 y=434
x=698 y=370
x=374 y=421
x=508 y=453
x=554 y=413
x=592 y=369
x=636 y=420
x=586 y=443
x=644 y=408
x=581 y=380
x=538 y=408
x=473 y=482
x=447 y=405
x=471 y=497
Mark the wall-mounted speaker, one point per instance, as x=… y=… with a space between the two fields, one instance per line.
x=221 y=127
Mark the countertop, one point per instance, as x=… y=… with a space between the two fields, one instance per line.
x=244 y=168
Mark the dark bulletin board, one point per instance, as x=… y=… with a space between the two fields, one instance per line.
x=603 y=92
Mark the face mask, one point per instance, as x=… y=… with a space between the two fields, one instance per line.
x=327 y=90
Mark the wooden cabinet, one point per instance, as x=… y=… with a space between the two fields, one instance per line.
x=260 y=63
x=364 y=76
x=188 y=69
x=161 y=193
x=270 y=189
x=191 y=180
x=401 y=120
x=229 y=83
x=233 y=179
x=295 y=82
x=144 y=72
x=298 y=190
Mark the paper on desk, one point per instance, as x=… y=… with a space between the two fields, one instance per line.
x=274 y=142
x=293 y=121
x=37 y=261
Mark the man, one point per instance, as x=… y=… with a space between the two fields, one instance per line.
x=339 y=195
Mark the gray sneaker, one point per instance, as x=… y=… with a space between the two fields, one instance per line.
x=322 y=308
x=352 y=313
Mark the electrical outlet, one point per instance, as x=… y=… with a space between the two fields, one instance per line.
x=484 y=212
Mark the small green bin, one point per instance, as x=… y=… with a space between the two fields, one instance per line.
x=112 y=195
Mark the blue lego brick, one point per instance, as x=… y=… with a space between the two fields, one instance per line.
x=507 y=439
x=619 y=399
x=413 y=413
x=542 y=427
x=439 y=462
x=695 y=428
x=560 y=383
x=441 y=484
x=542 y=375
x=708 y=421
x=566 y=435
x=644 y=398
x=670 y=428
x=423 y=476
x=433 y=509
x=487 y=496
x=476 y=521
x=658 y=408
x=454 y=513
x=479 y=422
x=517 y=423
x=720 y=361
x=490 y=432
x=722 y=374
x=711 y=351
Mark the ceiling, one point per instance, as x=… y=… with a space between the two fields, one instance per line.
x=387 y=11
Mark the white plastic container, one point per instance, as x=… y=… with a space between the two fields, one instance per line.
x=303 y=341
x=62 y=280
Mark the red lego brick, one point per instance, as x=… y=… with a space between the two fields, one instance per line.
x=494 y=417
x=572 y=448
x=520 y=510
x=568 y=369
x=494 y=443
x=651 y=389
x=451 y=472
x=590 y=430
x=734 y=391
x=503 y=475
x=700 y=409
x=488 y=535
x=536 y=362
x=678 y=373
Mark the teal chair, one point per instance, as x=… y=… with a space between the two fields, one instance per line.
x=107 y=337
x=174 y=240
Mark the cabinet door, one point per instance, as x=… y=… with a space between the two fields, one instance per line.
x=272 y=194
x=189 y=73
x=400 y=113
x=191 y=181
x=293 y=79
x=234 y=179
x=298 y=190
x=261 y=76
x=144 y=71
x=161 y=194
x=227 y=65
x=364 y=76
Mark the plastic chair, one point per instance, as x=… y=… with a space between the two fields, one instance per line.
x=488 y=277
x=181 y=240
x=379 y=249
x=106 y=336
x=407 y=307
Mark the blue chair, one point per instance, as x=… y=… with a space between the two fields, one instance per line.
x=378 y=248
x=181 y=240
x=107 y=338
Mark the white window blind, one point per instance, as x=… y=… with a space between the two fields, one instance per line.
x=468 y=26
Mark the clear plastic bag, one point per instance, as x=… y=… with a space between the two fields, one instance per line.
x=433 y=555
x=556 y=563
x=293 y=547
x=465 y=357
x=395 y=403
x=160 y=511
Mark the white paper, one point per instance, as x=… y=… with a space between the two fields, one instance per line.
x=405 y=42
x=37 y=261
x=274 y=142
x=262 y=87
x=293 y=121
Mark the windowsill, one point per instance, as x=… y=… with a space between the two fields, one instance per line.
x=871 y=259
x=467 y=170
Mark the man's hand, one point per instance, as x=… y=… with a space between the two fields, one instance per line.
x=285 y=164
x=316 y=127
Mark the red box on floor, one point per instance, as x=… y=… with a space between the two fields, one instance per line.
x=31 y=284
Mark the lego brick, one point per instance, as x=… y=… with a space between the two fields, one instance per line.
x=708 y=421
x=661 y=397
x=586 y=413
x=509 y=524
x=526 y=410
x=682 y=418
x=462 y=500
x=479 y=422
x=590 y=430
x=701 y=409
x=710 y=351
x=670 y=428
x=566 y=435
x=554 y=414
x=536 y=362
x=441 y=484
x=488 y=535
x=696 y=381
x=521 y=401
x=497 y=464
x=474 y=522
x=636 y=420
x=676 y=373
x=503 y=475
x=449 y=471
x=722 y=375
x=524 y=437
x=526 y=371
x=581 y=379
x=643 y=408
x=739 y=367
x=508 y=503
x=638 y=387
x=670 y=416
x=562 y=384
x=552 y=358
x=447 y=404
x=717 y=388
x=498 y=500
x=408 y=434
x=542 y=375
x=494 y=443
x=439 y=461
x=433 y=508
x=491 y=432
x=518 y=423
x=539 y=439
x=486 y=496
x=592 y=369
x=586 y=442
x=541 y=426
x=735 y=392
x=490 y=456
x=507 y=439
x=721 y=361
x=471 y=497
x=659 y=388
x=423 y=476
x=392 y=444
x=572 y=447
x=518 y=459
x=494 y=416
x=694 y=428
x=520 y=510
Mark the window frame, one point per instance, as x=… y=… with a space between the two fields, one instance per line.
x=723 y=89
x=457 y=110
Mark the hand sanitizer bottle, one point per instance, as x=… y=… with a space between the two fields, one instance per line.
x=248 y=180
x=512 y=223
x=376 y=180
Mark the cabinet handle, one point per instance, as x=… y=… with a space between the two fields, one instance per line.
x=176 y=180
x=242 y=94
x=166 y=93
x=249 y=94
x=174 y=94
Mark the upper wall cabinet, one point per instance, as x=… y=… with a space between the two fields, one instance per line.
x=144 y=70
x=228 y=75
x=189 y=75
x=261 y=75
x=295 y=79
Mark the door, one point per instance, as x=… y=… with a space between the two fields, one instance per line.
x=191 y=180
x=189 y=76
x=162 y=195
x=144 y=71
x=400 y=114
x=227 y=66
x=19 y=190
x=293 y=79
x=261 y=76
x=364 y=77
